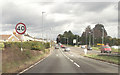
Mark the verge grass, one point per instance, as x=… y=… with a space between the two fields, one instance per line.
x=111 y=59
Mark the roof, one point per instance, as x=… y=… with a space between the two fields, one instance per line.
x=4 y=37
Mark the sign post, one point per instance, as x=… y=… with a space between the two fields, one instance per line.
x=74 y=42
x=20 y=29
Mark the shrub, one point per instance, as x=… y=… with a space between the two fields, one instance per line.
x=33 y=45
x=47 y=45
x=1 y=45
x=37 y=46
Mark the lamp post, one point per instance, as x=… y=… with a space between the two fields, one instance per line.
x=93 y=37
x=67 y=41
x=86 y=37
x=77 y=38
x=89 y=38
x=102 y=35
x=43 y=24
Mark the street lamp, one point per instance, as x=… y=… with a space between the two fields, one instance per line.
x=93 y=37
x=67 y=41
x=42 y=23
x=89 y=38
x=86 y=37
x=102 y=35
x=77 y=38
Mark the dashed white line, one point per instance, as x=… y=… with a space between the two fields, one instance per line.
x=56 y=54
x=70 y=59
x=76 y=64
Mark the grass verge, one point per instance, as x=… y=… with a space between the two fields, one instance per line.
x=110 y=59
x=17 y=66
x=113 y=50
x=96 y=48
x=14 y=60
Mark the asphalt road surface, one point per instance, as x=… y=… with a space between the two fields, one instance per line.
x=68 y=62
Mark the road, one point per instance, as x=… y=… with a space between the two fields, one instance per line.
x=69 y=62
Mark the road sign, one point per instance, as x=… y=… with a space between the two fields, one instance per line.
x=74 y=40
x=99 y=44
x=20 y=28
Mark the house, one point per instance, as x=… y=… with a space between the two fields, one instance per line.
x=27 y=37
x=18 y=38
x=11 y=38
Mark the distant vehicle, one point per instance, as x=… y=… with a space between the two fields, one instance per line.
x=89 y=48
x=105 y=49
x=83 y=46
x=61 y=46
x=56 y=46
x=67 y=49
x=115 y=47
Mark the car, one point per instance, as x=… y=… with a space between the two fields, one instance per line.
x=67 y=49
x=61 y=46
x=89 y=48
x=56 y=46
x=105 y=49
x=83 y=46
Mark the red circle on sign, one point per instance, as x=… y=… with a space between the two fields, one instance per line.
x=24 y=26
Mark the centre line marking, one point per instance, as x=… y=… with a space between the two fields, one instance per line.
x=56 y=54
x=71 y=60
x=76 y=64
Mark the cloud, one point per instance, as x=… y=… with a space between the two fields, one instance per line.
x=58 y=16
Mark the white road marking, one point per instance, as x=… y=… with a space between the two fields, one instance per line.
x=56 y=54
x=33 y=64
x=70 y=59
x=76 y=64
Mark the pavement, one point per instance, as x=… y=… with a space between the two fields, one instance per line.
x=71 y=62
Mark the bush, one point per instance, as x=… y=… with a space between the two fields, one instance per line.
x=1 y=45
x=33 y=45
x=37 y=46
x=47 y=45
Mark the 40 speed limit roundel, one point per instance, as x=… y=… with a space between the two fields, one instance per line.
x=20 y=28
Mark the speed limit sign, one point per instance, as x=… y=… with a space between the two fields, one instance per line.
x=20 y=28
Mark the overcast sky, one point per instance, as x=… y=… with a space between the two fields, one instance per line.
x=59 y=16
